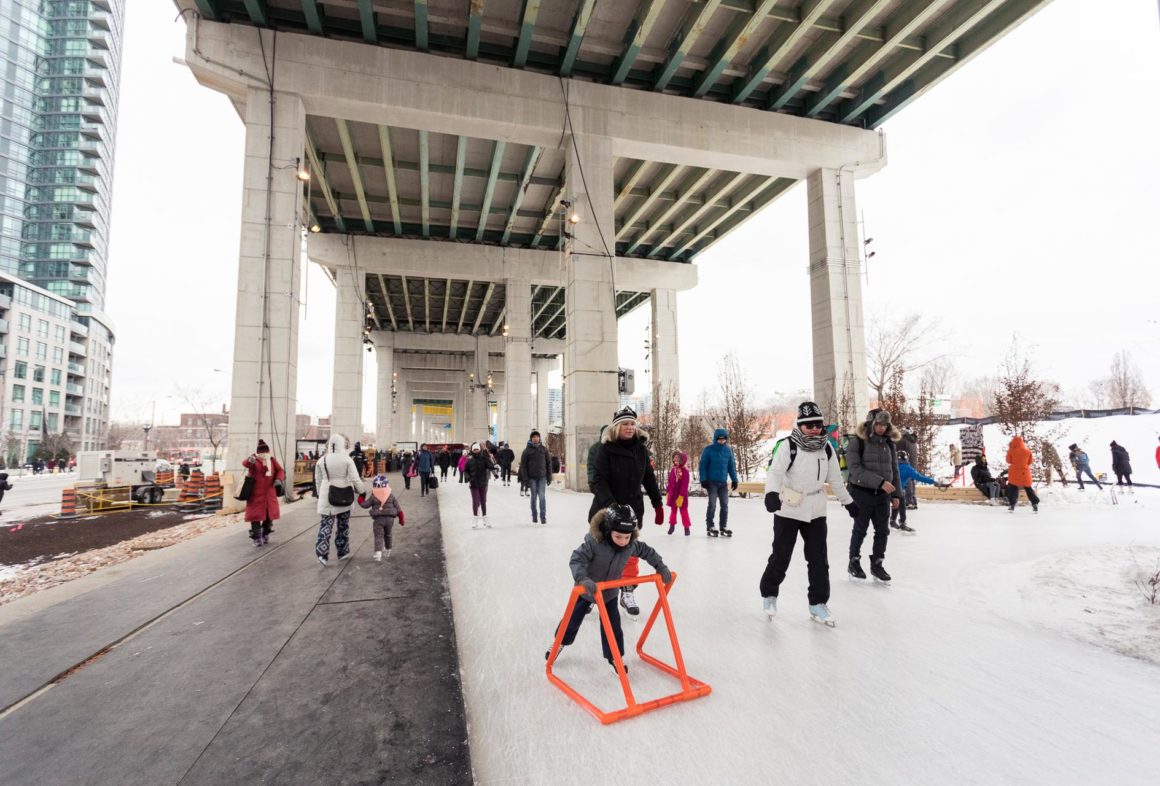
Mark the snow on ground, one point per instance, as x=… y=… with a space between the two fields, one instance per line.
x=970 y=668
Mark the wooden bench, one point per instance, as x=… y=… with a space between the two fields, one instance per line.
x=930 y=493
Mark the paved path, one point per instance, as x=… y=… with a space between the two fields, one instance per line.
x=213 y=662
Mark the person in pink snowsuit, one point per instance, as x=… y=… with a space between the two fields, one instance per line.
x=678 y=492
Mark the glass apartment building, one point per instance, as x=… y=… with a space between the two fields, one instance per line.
x=59 y=78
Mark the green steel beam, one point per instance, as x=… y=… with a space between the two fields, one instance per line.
x=627 y=188
x=676 y=171
x=464 y=207
x=549 y=212
x=463 y=311
x=489 y=189
x=958 y=21
x=721 y=193
x=258 y=13
x=424 y=184
x=689 y=190
x=683 y=43
x=366 y=15
x=825 y=49
x=728 y=47
x=544 y=306
x=634 y=38
x=389 y=170
x=457 y=191
x=313 y=15
x=483 y=307
x=971 y=44
x=784 y=39
x=527 y=25
x=421 y=25
x=355 y=175
x=747 y=196
x=521 y=190
x=474 y=25
x=407 y=303
x=724 y=226
x=320 y=177
x=854 y=67
x=576 y=35
x=207 y=8
x=448 y=169
x=387 y=299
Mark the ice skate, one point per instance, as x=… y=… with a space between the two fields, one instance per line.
x=257 y=541
x=687 y=532
x=671 y=528
x=855 y=569
x=906 y=529
x=894 y=524
x=628 y=601
x=612 y=663
x=386 y=553
x=878 y=572
x=486 y=523
x=377 y=556
x=475 y=523
x=711 y=532
x=769 y=605
x=820 y=612
x=345 y=556
x=728 y=533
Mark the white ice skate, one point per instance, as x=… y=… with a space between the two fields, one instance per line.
x=486 y=523
x=770 y=606
x=377 y=556
x=475 y=523
x=820 y=612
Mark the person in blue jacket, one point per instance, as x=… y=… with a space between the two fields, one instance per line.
x=907 y=473
x=426 y=465
x=718 y=474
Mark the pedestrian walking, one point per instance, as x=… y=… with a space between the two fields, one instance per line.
x=1019 y=474
x=1051 y=462
x=677 y=491
x=424 y=465
x=505 y=456
x=1082 y=465
x=535 y=465
x=262 y=505
x=984 y=481
x=956 y=461
x=384 y=508
x=478 y=472
x=444 y=461
x=408 y=463
x=875 y=487
x=623 y=467
x=336 y=480
x=909 y=476
x=795 y=493
x=1121 y=464
x=718 y=474
x=359 y=458
x=612 y=541
x=4 y=485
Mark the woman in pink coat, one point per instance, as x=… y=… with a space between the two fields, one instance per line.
x=678 y=492
x=262 y=506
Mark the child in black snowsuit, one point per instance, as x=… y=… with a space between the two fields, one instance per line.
x=611 y=540
x=384 y=507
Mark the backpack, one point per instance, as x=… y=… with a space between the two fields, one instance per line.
x=793 y=451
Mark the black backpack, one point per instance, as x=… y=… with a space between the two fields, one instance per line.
x=793 y=451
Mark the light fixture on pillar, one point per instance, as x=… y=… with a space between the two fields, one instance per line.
x=315 y=228
x=867 y=255
x=505 y=330
x=303 y=173
x=571 y=217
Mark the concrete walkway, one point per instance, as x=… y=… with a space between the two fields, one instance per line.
x=214 y=662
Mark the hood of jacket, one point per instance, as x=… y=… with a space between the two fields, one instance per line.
x=866 y=430
x=718 y=433
x=1017 y=443
x=336 y=444
x=609 y=435
x=682 y=458
x=598 y=534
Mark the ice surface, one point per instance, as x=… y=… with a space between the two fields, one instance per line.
x=979 y=664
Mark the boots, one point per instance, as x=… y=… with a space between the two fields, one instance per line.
x=855 y=569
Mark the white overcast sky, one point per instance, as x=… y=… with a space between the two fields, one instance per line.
x=1021 y=198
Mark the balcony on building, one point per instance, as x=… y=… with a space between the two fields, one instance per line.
x=73 y=389
x=72 y=409
x=3 y=325
x=78 y=329
x=76 y=348
x=76 y=369
x=99 y=40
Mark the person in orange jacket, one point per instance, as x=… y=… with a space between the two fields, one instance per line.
x=1019 y=474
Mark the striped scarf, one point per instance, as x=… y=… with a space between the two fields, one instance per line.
x=807 y=443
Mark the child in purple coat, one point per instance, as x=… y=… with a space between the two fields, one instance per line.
x=678 y=492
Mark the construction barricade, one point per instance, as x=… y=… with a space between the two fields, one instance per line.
x=68 y=503
x=212 y=501
x=690 y=688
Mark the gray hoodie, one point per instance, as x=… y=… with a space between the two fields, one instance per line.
x=598 y=559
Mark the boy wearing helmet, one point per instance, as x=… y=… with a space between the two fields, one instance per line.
x=612 y=538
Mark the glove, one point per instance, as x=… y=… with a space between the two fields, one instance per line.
x=278 y=488
x=733 y=486
x=589 y=589
x=665 y=573
x=704 y=484
x=680 y=502
x=362 y=498
x=659 y=515
x=773 y=502
x=401 y=518
x=852 y=509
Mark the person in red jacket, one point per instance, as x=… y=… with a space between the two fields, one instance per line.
x=262 y=506
x=1019 y=474
x=1158 y=457
x=677 y=491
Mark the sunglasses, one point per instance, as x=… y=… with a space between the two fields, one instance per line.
x=812 y=426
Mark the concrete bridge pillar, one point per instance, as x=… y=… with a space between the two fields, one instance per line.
x=384 y=404
x=516 y=421
x=663 y=344
x=349 y=319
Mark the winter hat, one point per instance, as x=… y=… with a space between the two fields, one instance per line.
x=533 y=434
x=624 y=416
x=262 y=447
x=879 y=416
x=620 y=518
x=1073 y=446
x=380 y=482
x=474 y=447
x=809 y=412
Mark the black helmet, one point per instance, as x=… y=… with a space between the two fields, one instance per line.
x=904 y=456
x=619 y=518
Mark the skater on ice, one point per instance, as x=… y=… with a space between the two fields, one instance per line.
x=478 y=471
x=612 y=540
x=536 y=469
x=718 y=473
x=909 y=476
x=1079 y=460
x=677 y=492
x=795 y=493
x=875 y=487
x=1121 y=464
x=1019 y=474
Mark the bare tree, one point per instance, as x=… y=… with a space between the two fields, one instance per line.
x=840 y=406
x=1022 y=399
x=906 y=343
x=12 y=449
x=694 y=438
x=57 y=446
x=1125 y=384
x=215 y=431
x=119 y=432
x=739 y=415
x=664 y=437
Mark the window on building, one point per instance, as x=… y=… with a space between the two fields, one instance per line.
x=55 y=376
x=22 y=346
x=26 y=323
x=51 y=420
x=38 y=373
x=41 y=350
x=15 y=418
x=54 y=398
x=34 y=421
x=42 y=328
x=38 y=395
x=18 y=392
x=57 y=355
x=21 y=370
x=58 y=332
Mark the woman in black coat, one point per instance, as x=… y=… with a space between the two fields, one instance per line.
x=623 y=466
x=1121 y=466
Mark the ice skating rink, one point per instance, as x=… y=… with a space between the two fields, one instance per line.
x=954 y=674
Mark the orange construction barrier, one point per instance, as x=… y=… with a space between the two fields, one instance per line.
x=68 y=503
x=690 y=688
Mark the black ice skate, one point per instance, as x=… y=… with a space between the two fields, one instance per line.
x=727 y=532
x=878 y=572
x=855 y=569
x=711 y=532
x=906 y=529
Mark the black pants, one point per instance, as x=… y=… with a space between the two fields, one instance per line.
x=898 y=514
x=1013 y=495
x=873 y=506
x=785 y=532
x=1121 y=477
x=406 y=480
x=443 y=473
x=260 y=528
x=424 y=483
x=578 y=613
x=507 y=474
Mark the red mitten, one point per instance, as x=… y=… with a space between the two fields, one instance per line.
x=659 y=518
x=401 y=518
x=362 y=498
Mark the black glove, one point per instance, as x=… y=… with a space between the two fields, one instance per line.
x=589 y=589
x=852 y=509
x=278 y=487
x=704 y=484
x=666 y=574
x=773 y=502
x=733 y=486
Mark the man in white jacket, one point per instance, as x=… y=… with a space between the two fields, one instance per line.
x=795 y=492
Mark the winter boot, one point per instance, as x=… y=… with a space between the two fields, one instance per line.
x=377 y=556
x=855 y=569
x=687 y=533
x=711 y=532
x=628 y=601
x=906 y=529
x=878 y=572
x=769 y=605
x=257 y=540
x=671 y=528
x=820 y=612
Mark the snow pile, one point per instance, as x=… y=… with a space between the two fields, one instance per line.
x=1092 y=595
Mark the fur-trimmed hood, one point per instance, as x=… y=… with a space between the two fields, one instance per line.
x=609 y=434
x=598 y=534
x=865 y=430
